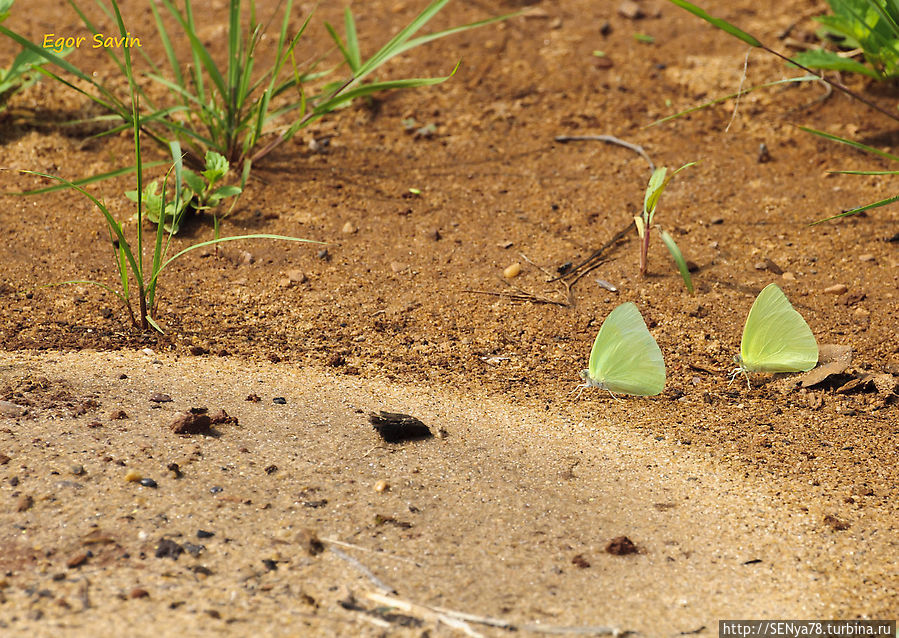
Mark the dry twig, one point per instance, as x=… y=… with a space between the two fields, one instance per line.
x=608 y=139
x=362 y=569
x=459 y=619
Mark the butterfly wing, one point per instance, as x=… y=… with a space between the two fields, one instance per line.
x=776 y=338
x=625 y=357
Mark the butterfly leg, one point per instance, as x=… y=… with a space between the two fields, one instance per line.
x=733 y=375
x=580 y=390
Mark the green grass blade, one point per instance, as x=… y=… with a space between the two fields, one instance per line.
x=174 y=65
x=86 y=180
x=352 y=40
x=678 y=258
x=155 y=326
x=857 y=145
x=110 y=220
x=864 y=172
x=416 y=42
x=801 y=78
x=201 y=57
x=220 y=240
x=725 y=26
x=883 y=202
x=374 y=87
x=392 y=47
x=63 y=64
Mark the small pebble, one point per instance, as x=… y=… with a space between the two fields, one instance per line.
x=191 y=422
x=197 y=350
x=279 y=400
x=621 y=546
x=270 y=565
x=133 y=476
x=216 y=489
x=296 y=276
x=310 y=542
x=788 y=276
x=159 y=397
x=77 y=470
x=24 y=503
x=630 y=10
x=866 y=257
x=167 y=548
x=148 y=482
x=202 y=533
x=137 y=592
x=193 y=550
x=836 y=289
x=512 y=271
x=79 y=559
x=382 y=486
x=323 y=254
x=348 y=228
x=117 y=415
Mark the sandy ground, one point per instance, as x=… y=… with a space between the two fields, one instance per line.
x=506 y=513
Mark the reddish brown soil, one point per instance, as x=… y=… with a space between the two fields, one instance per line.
x=412 y=289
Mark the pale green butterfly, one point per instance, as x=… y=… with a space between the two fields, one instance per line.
x=776 y=338
x=625 y=358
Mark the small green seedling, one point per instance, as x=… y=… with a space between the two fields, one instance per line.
x=138 y=280
x=657 y=184
x=643 y=38
x=198 y=193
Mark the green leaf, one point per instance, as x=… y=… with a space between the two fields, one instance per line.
x=829 y=60
x=654 y=190
x=725 y=26
x=4 y=9
x=227 y=191
x=193 y=181
x=216 y=167
x=678 y=258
